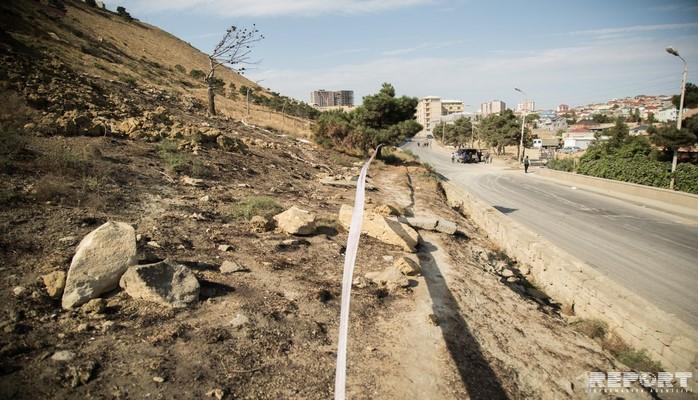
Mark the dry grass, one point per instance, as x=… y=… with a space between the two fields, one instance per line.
x=637 y=359
x=255 y=205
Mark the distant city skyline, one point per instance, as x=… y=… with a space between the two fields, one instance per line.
x=584 y=52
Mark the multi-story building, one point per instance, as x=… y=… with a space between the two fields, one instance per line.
x=430 y=109
x=669 y=114
x=527 y=106
x=328 y=98
x=492 y=107
x=563 y=108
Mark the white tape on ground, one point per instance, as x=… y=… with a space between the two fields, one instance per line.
x=357 y=216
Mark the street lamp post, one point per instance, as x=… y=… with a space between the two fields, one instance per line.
x=679 y=116
x=521 y=150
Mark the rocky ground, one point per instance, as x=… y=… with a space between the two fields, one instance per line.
x=214 y=265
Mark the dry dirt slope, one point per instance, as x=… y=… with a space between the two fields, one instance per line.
x=79 y=149
x=102 y=44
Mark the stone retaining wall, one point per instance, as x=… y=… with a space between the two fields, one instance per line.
x=579 y=287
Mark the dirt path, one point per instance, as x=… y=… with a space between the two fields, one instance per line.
x=468 y=333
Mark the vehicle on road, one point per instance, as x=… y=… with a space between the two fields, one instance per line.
x=430 y=136
x=467 y=156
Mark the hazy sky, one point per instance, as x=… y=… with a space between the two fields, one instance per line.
x=557 y=51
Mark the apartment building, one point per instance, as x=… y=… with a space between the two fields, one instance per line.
x=563 y=108
x=332 y=98
x=492 y=107
x=527 y=106
x=430 y=109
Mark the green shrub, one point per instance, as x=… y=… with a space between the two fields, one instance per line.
x=638 y=170
x=687 y=178
x=180 y=69
x=197 y=74
x=168 y=150
x=255 y=205
x=563 y=164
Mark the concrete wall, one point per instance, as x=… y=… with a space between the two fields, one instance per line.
x=578 y=287
x=638 y=192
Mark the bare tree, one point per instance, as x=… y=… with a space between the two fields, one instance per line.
x=234 y=51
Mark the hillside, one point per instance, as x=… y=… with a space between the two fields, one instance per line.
x=101 y=44
x=148 y=250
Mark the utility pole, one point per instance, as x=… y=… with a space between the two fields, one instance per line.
x=679 y=116
x=521 y=150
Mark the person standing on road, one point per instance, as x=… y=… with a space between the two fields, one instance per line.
x=526 y=164
x=453 y=157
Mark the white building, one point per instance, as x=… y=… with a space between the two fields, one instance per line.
x=526 y=106
x=492 y=107
x=669 y=114
x=431 y=109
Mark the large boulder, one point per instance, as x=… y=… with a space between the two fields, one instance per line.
x=100 y=259
x=407 y=266
x=295 y=221
x=385 y=229
x=164 y=283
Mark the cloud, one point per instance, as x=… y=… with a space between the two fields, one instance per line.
x=614 y=32
x=593 y=71
x=263 y=8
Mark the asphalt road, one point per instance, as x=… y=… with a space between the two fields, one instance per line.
x=653 y=253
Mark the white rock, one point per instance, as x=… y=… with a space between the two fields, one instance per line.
x=63 y=355
x=100 y=259
x=239 y=320
x=18 y=290
x=385 y=229
x=164 y=283
x=229 y=267
x=390 y=277
x=295 y=221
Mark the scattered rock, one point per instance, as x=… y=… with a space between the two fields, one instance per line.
x=216 y=393
x=386 y=210
x=239 y=320
x=158 y=379
x=507 y=273
x=360 y=282
x=54 y=283
x=407 y=266
x=448 y=227
x=295 y=221
x=63 y=355
x=231 y=144
x=524 y=269
x=187 y=180
x=19 y=290
x=390 y=277
x=153 y=244
x=94 y=306
x=100 y=259
x=67 y=239
x=164 y=283
x=225 y=247
x=205 y=199
x=434 y=320
x=229 y=267
x=386 y=230
x=259 y=224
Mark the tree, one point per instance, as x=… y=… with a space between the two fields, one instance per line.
x=650 y=118
x=671 y=138
x=91 y=3
x=617 y=134
x=501 y=130
x=690 y=98
x=600 y=118
x=458 y=133
x=383 y=118
x=233 y=50
x=123 y=13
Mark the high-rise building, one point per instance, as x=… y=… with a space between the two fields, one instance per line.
x=492 y=107
x=328 y=98
x=430 y=109
x=526 y=106
x=563 y=108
